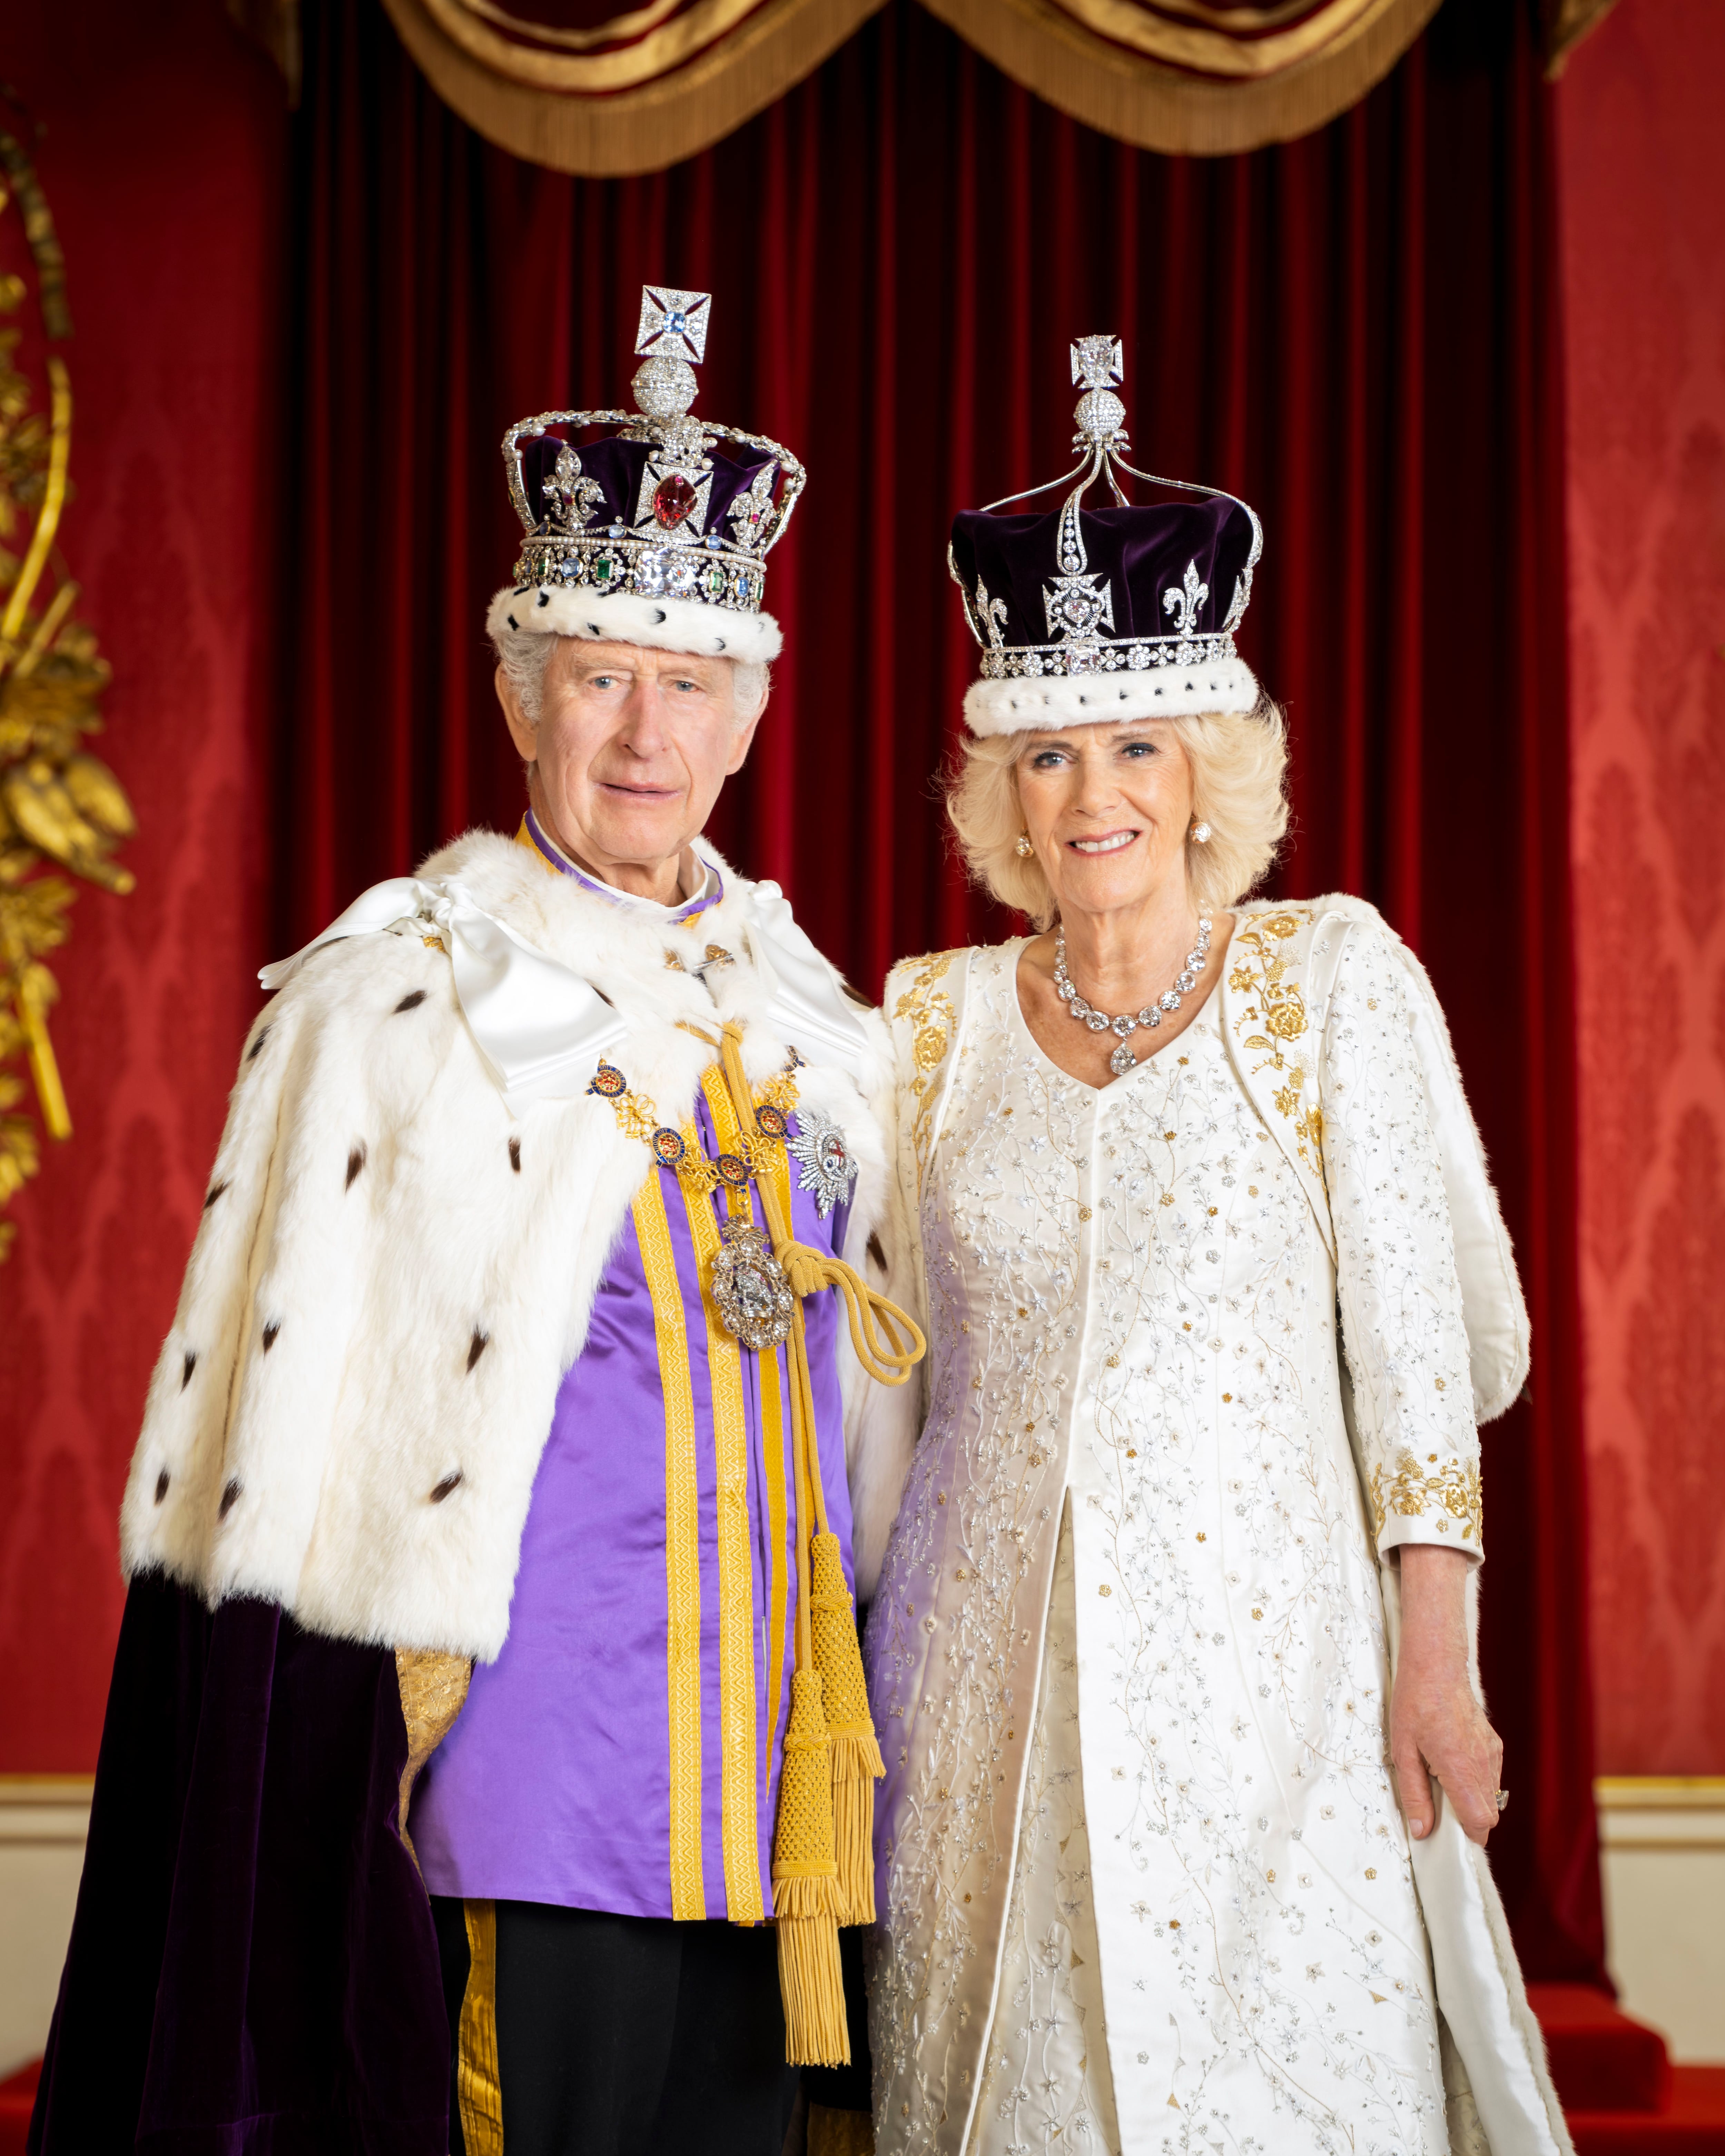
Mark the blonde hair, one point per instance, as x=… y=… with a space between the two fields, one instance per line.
x=1238 y=762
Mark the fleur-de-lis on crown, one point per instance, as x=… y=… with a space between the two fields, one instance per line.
x=571 y=497
x=993 y=615
x=752 y=513
x=1184 y=602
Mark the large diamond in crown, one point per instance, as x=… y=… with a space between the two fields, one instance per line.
x=663 y=504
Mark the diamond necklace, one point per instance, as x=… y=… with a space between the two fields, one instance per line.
x=1122 y=1060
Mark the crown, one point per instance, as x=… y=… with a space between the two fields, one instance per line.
x=1123 y=612
x=658 y=533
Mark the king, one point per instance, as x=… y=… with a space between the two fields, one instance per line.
x=488 y=1761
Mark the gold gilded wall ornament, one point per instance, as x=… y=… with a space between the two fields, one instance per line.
x=60 y=807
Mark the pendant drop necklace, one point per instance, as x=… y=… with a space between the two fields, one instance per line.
x=1122 y=1060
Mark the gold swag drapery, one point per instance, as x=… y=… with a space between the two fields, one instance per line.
x=570 y=85
x=573 y=85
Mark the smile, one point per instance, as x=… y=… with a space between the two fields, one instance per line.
x=1110 y=844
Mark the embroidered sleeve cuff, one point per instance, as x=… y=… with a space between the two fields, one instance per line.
x=1428 y=1498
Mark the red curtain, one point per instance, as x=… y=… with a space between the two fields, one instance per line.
x=1357 y=331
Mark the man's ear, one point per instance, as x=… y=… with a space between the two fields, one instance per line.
x=745 y=734
x=521 y=730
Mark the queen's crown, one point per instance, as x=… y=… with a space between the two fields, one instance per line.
x=1151 y=593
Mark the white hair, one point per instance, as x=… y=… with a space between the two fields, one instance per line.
x=524 y=655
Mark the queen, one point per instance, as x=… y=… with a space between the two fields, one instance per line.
x=1189 y=1778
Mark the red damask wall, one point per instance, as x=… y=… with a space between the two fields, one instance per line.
x=1643 y=174
x=161 y=157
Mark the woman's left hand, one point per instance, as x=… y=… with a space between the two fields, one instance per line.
x=1436 y=1726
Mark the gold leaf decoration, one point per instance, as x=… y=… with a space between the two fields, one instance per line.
x=60 y=807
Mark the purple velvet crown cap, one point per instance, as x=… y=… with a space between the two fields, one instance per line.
x=616 y=467
x=1118 y=613
x=656 y=533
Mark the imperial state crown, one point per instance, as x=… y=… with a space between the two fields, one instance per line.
x=1124 y=611
x=658 y=531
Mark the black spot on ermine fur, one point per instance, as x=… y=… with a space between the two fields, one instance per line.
x=449 y=1483
x=270 y=1332
x=355 y=1161
x=479 y=1342
x=251 y=1053
x=162 y=1486
x=191 y=1365
x=230 y=1497
x=214 y=1192
x=410 y=1002
x=514 y=1155
x=877 y=1250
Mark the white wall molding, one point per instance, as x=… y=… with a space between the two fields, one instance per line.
x=1662 y=1858
x=43 y=1821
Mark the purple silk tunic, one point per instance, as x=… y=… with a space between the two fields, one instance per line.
x=556 y=1784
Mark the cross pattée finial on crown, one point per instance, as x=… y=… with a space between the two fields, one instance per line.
x=1098 y=362
x=672 y=331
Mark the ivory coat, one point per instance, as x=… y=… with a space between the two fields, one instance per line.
x=394 y=1270
x=1241 y=1312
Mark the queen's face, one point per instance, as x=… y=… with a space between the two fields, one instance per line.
x=630 y=748
x=1107 y=809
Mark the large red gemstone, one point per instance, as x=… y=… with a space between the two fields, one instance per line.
x=672 y=501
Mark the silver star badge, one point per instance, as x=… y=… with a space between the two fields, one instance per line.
x=821 y=1153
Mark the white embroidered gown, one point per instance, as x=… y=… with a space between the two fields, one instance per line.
x=1138 y=1767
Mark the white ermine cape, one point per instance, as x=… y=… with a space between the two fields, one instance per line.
x=394 y=1272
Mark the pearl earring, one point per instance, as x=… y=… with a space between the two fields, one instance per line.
x=1201 y=833
x=1022 y=846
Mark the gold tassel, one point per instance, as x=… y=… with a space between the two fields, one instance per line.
x=805 y=1888
x=857 y=1764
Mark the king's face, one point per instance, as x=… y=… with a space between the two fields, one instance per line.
x=631 y=748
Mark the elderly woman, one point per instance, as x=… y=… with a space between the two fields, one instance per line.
x=491 y=1433
x=1169 y=1858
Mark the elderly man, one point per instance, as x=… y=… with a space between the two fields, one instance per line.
x=493 y=1485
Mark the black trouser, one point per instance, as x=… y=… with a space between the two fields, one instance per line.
x=625 y=2035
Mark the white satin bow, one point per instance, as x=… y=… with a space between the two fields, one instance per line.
x=541 y=1029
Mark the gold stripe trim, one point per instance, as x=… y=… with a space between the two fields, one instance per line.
x=772 y=1435
x=478 y=2090
x=682 y=1551
x=777 y=1524
x=743 y=1899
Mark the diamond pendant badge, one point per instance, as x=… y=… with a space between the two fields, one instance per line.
x=750 y=1288
x=1122 y=1061
x=824 y=1157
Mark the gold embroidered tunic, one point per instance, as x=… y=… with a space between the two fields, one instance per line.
x=1132 y=1302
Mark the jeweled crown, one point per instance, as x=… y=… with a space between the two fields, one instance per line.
x=667 y=513
x=1123 y=612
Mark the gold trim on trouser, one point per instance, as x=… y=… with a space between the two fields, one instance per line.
x=682 y=1550
x=479 y=2091
x=738 y=1696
